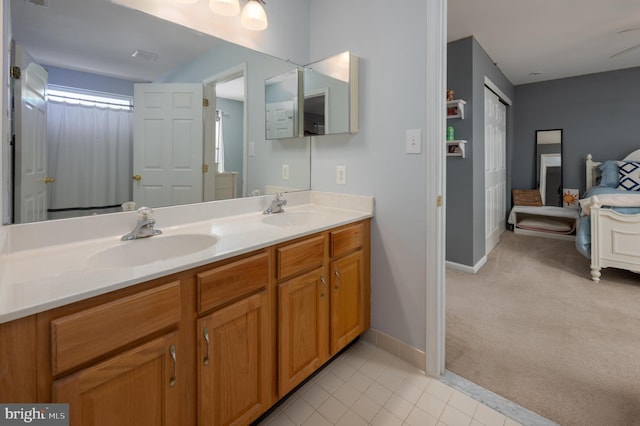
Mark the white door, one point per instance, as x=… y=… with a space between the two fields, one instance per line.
x=495 y=129
x=280 y=121
x=30 y=196
x=167 y=147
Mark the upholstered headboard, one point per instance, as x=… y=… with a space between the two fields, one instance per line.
x=593 y=173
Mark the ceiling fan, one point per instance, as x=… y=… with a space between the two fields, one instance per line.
x=628 y=49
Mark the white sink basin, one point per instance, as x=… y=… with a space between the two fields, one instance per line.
x=152 y=249
x=288 y=218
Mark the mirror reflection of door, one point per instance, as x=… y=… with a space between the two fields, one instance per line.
x=549 y=166
x=167 y=144
x=30 y=129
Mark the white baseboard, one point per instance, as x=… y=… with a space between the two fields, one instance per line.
x=405 y=352
x=468 y=269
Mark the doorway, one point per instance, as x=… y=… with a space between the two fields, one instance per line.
x=225 y=135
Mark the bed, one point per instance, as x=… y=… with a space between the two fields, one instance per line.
x=609 y=226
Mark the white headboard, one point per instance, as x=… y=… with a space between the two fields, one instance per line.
x=593 y=173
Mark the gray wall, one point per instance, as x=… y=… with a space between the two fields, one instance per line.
x=598 y=113
x=467 y=66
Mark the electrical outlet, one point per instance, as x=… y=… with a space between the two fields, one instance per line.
x=285 y=172
x=413 y=141
x=341 y=175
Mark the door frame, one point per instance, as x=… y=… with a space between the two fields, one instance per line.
x=436 y=76
x=209 y=84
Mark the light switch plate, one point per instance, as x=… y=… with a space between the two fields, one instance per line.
x=413 y=141
x=285 y=172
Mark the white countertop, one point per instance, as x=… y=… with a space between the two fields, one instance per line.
x=39 y=276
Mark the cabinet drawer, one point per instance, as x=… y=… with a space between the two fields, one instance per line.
x=300 y=256
x=231 y=281
x=88 y=334
x=347 y=239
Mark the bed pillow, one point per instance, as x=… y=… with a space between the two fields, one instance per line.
x=629 y=175
x=609 y=174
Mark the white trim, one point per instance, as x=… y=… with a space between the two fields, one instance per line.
x=504 y=98
x=435 y=156
x=465 y=268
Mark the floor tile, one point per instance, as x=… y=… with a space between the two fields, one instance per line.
x=439 y=390
x=454 y=417
x=386 y=418
x=365 y=408
x=299 y=411
x=488 y=416
x=417 y=417
x=317 y=420
x=399 y=406
x=378 y=393
x=367 y=386
x=347 y=394
x=332 y=410
x=351 y=419
x=463 y=403
x=315 y=396
x=431 y=405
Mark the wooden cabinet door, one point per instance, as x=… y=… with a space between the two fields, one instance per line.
x=303 y=333
x=138 y=387
x=348 y=317
x=235 y=359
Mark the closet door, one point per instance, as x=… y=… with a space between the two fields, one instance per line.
x=495 y=129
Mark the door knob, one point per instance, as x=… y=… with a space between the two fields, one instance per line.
x=49 y=180
x=137 y=177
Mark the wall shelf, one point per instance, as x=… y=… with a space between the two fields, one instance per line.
x=456 y=148
x=455 y=109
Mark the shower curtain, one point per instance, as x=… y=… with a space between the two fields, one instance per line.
x=90 y=155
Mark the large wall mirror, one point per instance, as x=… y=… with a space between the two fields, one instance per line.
x=169 y=148
x=549 y=166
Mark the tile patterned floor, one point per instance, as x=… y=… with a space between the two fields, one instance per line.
x=368 y=386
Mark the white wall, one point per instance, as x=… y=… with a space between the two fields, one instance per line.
x=390 y=39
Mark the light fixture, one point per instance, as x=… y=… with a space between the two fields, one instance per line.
x=185 y=1
x=253 y=16
x=225 y=7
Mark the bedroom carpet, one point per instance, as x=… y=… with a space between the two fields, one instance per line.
x=532 y=326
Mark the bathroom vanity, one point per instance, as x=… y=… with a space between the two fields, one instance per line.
x=215 y=338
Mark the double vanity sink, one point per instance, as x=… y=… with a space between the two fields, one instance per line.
x=164 y=247
x=54 y=263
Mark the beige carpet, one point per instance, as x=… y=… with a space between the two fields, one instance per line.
x=532 y=326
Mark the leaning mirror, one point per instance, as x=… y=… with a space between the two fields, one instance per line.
x=100 y=49
x=549 y=166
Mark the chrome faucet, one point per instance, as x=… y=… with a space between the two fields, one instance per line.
x=144 y=227
x=276 y=204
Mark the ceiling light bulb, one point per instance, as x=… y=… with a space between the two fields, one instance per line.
x=225 y=7
x=253 y=16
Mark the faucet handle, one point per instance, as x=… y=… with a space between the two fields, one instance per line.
x=145 y=212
